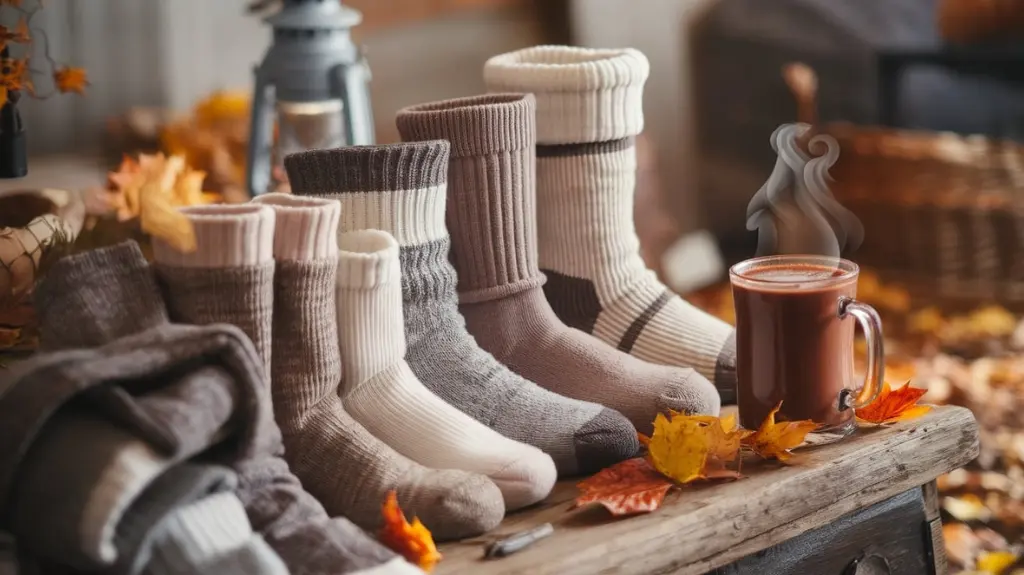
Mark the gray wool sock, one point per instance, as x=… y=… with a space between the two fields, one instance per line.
x=401 y=189
x=229 y=278
x=338 y=460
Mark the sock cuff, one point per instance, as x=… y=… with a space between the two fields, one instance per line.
x=226 y=236
x=367 y=259
x=306 y=228
x=475 y=126
x=207 y=528
x=391 y=167
x=583 y=94
x=91 y=298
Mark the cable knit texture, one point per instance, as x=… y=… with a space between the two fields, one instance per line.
x=492 y=195
x=229 y=277
x=440 y=351
x=588 y=113
x=339 y=461
x=383 y=394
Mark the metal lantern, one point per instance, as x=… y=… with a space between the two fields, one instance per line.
x=314 y=81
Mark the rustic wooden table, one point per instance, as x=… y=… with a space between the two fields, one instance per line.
x=863 y=506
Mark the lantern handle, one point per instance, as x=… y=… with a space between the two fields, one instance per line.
x=258 y=169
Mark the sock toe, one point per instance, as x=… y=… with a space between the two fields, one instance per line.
x=605 y=440
x=527 y=480
x=473 y=505
x=689 y=392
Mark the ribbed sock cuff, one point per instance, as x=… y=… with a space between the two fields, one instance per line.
x=583 y=94
x=368 y=259
x=200 y=533
x=475 y=126
x=392 y=167
x=306 y=228
x=92 y=298
x=226 y=236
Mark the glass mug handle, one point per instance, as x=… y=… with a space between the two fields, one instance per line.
x=869 y=321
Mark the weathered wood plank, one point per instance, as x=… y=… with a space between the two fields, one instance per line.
x=701 y=528
x=886 y=537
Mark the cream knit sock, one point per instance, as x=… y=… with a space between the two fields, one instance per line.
x=382 y=393
x=400 y=189
x=230 y=277
x=589 y=111
x=339 y=461
x=492 y=220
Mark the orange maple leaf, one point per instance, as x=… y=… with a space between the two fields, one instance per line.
x=774 y=440
x=410 y=540
x=68 y=79
x=626 y=488
x=894 y=405
x=19 y=35
x=14 y=73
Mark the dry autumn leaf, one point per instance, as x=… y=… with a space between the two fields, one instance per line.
x=774 y=440
x=152 y=189
x=894 y=405
x=69 y=79
x=995 y=562
x=688 y=448
x=626 y=488
x=410 y=540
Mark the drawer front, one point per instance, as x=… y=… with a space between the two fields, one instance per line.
x=893 y=537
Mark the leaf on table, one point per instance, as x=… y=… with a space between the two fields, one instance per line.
x=69 y=79
x=894 y=405
x=775 y=440
x=410 y=540
x=626 y=488
x=995 y=562
x=688 y=448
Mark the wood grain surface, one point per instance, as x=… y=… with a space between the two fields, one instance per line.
x=703 y=527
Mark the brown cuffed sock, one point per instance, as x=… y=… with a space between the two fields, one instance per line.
x=492 y=220
x=230 y=277
x=589 y=112
x=339 y=461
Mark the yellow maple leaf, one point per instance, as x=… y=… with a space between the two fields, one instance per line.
x=995 y=562
x=774 y=440
x=687 y=448
x=410 y=540
x=152 y=189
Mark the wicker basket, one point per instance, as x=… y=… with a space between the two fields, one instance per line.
x=939 y=210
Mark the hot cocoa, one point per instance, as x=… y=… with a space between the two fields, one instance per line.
x=791 y=344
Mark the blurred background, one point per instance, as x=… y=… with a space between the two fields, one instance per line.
x=926 y=98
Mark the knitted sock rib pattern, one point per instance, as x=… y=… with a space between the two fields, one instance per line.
x=339 y=461
x=492 y=215
x=401 y=190
x=589 y=111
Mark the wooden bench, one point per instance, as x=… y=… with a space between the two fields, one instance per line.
x=863 y=506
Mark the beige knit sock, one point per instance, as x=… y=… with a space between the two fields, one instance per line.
x=589 y=111
x=339 y=461
x=230 y=277
x=382 y=393
x=492 y=217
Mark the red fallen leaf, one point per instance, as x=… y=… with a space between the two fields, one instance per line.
x=894 y=405
x=626 y=488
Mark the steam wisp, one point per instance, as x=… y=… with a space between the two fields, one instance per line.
x=795 y=212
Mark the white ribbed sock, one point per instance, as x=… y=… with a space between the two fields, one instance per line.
x=589 y=111
x=381 y=392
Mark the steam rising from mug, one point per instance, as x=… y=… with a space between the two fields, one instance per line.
x=794 y=212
